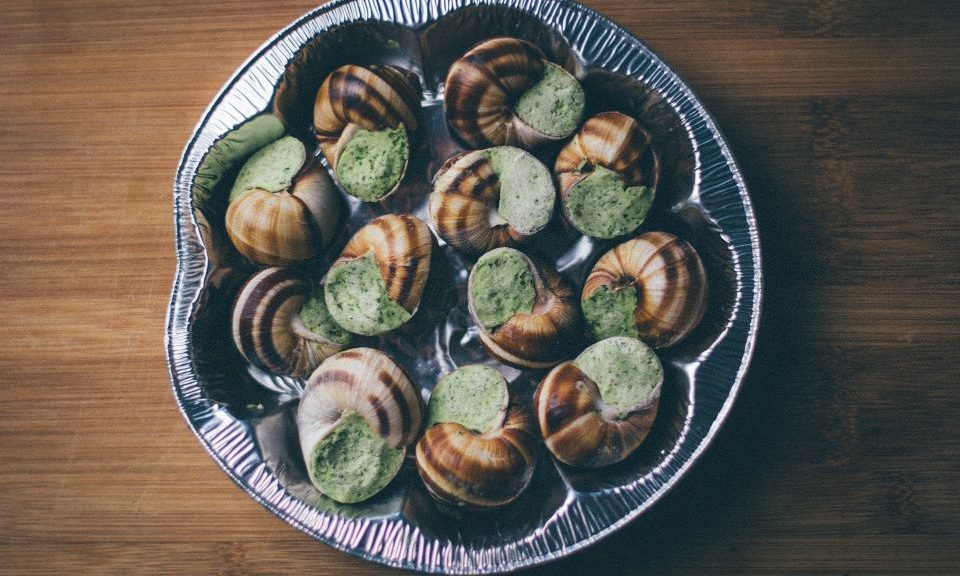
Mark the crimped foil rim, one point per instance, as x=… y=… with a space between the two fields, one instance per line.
x=229 y=441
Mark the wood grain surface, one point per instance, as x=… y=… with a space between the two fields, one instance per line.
x=840 y=457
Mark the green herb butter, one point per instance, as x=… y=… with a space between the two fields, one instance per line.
x=228 y=152
x=474 y=396
x=526 y=189
x=554 y=105
x=611 y=312
x=272 y=168
x=317 y=319
x=372 y=163
x=357 y=298
x=501 y=285
x=352 y=463
x=626 y=371
x=601 y=205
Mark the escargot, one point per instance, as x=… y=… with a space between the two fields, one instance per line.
x=490 y=198
x=284 y=208
x=526 y=313
x=652 y=287
x=358 y=414
x=280 y=323
x=597 y=409
x=608 y=175
x=479 y=448
x=363 y=117
x=504 y=92
x=211 y=187
x=376 y=284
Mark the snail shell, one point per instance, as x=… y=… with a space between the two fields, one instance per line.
x=579 y=428
x=371 y=98
x=467 y=207
x=367 y=383
x=480 y=470
x=268 y=329
x=401 y=245
x=293 y=219
x=615 y=142
x=541 y=338
x=483 y=87
x=670 y=284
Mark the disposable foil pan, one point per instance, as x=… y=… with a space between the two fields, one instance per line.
x=244 y=417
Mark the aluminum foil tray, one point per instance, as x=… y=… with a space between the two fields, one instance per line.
x=244 y=417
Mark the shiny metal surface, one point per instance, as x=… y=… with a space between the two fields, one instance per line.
x=245 y=417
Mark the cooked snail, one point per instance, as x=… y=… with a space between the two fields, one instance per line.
x=376 y=284
x=363 y=117
x=527 y=314
x=210 y=189
x=282 y=325
x=358 y=414
x=504 y=92
x=652 y=287
x=479 y=448
x=283 y=207
x=597 y=409
x=608 y=175
x=490 y=198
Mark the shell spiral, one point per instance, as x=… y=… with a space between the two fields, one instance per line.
x=367 y=97
x=461 y=206
x=287 y=227
x=544 y=337
x=482 y=87
x=612 y=140
x=402 y=245
x=485 y=470
x=578 y=429
x=670 y=280
x=267 y=329
x=365 y=381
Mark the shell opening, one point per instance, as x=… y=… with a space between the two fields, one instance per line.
x=352 y=462
x=626 y=371
x=501 y=286
x=474 y=396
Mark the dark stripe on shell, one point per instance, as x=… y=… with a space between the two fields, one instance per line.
x=402 y=405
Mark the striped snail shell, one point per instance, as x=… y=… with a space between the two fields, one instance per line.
x=283 y=207
x=479 y=470
x=356 y=100
x=484 y=88
x=652 y=287
x=614 y=144
x=269 y=327
x=358 y=414
x=378 y=281
x=490 y=198
x=585 y=427
x=609 y=139
x=537 y=336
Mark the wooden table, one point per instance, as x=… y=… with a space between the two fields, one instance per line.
x=842 y=455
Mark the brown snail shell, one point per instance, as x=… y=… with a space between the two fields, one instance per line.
x=267 y=327
x=581 y=430
x=402 y=245
x=359 y=381
x=670 y=282
x=613 y=141
x=373 y=98
x=464 y=202
x=479 y=470
x=482 y=87
x=287 y=226
x=542 y=338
